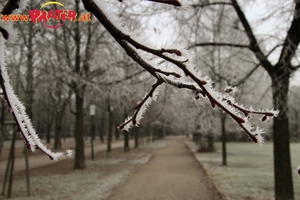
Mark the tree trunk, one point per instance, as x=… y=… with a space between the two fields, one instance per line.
x=79 y=130
x=117 y=132
x=282 y=159
x=57 y=134
x=109 y=136
x=126 y=141
x=11 y=170
x=59 y=115
x=142 y=137
x=136 y=139
x=26 y=151
x=224 y=151
x=149 y=133
x=210 y=142
x=48 y=135
x=102 y=130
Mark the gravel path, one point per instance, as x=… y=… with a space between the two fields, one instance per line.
x=171 y=174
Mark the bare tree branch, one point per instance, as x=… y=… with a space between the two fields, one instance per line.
x=170 y=2
x=253 y=44
x=242 y=80
x=10 y=6
x=210 y=4
x=138 y=108
x=124 y=79
x=197 y=85
x=23 y=123
x=220 y=44
x=294 y=68
x=292 y=40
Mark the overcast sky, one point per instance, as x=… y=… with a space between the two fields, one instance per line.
x=257 y=10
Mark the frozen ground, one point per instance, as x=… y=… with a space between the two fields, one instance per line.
x=249 y=174
x=171 y=173
x=95 y=182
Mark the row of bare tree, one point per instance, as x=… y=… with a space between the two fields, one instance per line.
x=60 y=72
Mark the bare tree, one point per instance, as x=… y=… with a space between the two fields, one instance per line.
x=280 y=74
x=183 y=68
x=172 y=66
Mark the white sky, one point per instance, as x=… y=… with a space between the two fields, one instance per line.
x=254 y=11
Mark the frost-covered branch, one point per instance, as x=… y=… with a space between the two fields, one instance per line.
x=185 y=70
x=170 y=2
x=229 y=107
x=141 y=107
x=24 y=125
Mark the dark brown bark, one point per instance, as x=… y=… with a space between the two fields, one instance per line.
x=79 y=132
x=282 y=159
x=79 y=162
x=223 y=137
x=203 y=44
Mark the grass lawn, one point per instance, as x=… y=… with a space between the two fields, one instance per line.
x=249 y=174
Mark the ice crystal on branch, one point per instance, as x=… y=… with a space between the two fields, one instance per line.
x=141 y=108
x=230 y=89
x=15 y=107
x=24 y=125
x=184 y=75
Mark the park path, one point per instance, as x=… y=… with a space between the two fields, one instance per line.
x=171 y=174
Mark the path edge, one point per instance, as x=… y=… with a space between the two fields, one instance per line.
x=211 y=185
